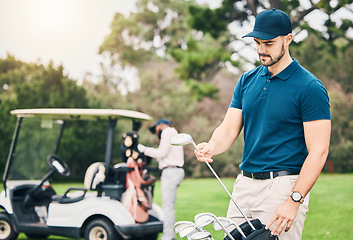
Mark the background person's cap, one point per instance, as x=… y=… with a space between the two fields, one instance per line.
x=270 y=24
x=160 y=121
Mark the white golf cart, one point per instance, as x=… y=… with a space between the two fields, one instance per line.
x=29 y=203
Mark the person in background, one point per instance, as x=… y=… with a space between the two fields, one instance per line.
x=285 y=113
x=170 y=161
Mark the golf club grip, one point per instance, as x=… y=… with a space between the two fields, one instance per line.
x=230 y=195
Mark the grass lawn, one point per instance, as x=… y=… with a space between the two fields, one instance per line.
x=329 y=217
x=330 y=208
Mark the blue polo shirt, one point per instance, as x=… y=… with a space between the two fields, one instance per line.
x=274 y=109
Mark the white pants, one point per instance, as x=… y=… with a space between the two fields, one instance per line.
x=260 y=198
x=170 y=180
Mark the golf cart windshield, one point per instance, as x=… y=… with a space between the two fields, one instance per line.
x=36 y=140
x=38 y=135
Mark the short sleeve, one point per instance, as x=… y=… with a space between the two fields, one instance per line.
x=237 y=95
x=316 y=104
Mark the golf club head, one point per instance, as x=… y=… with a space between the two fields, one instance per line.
x=187 y=230
x=201 y=235
x=204 y=219
x=221 y=220
x=227 y=222
x=181 y=139
x=181 y=224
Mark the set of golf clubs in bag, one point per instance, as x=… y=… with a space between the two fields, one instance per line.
x=249 y=230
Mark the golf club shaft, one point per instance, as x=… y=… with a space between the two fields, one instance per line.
x=224 y=229
x=240 y=230
x=230 y=195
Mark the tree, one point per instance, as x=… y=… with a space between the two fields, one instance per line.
x=162 y=32
x=32 y=85
x=234 y=14
x=202 y=40
x=162 y=95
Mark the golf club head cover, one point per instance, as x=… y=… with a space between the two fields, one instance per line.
x=259 y=234
x=246 y=229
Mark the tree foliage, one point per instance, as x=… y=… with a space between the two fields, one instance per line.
x=204 y=40
x=32 y=85
x=237 y=13
x=243 y=11
x=162 y=95
x=163 y=32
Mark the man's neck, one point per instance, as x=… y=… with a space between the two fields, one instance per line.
x=280 y=65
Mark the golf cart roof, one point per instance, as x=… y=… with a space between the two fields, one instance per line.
x=80 y=113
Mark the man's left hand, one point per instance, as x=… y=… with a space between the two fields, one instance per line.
x=283 y=217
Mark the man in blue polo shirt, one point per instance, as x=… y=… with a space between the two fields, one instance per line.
x=285 y=112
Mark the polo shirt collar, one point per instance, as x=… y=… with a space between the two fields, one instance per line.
x=286 y=73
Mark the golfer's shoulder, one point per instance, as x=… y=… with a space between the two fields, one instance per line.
x=253 y=73
x=170 y=131
x=304 y=75
x=308 y=81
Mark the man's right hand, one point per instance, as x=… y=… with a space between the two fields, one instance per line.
x=206 y=152
x=141 y=148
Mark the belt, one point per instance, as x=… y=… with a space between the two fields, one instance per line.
x=268 y=175
x=171 y=166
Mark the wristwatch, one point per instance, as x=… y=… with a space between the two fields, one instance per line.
x=297 y=197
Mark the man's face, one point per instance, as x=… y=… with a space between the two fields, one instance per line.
x=157 y=129
x=271 y=51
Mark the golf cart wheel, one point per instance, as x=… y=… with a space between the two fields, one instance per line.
x=100 y=229
x=7 y=231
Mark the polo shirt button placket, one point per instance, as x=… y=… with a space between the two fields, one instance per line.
x=265 y=88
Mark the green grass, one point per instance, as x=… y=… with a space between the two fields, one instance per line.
x=329 y=217
x=330 y=209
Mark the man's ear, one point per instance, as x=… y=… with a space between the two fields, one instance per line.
x=289 y=38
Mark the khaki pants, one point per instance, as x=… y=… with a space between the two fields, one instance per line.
x=260 y=198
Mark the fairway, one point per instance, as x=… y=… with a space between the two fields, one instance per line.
x=329 y=217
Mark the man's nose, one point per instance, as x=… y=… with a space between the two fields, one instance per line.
x=261 y=48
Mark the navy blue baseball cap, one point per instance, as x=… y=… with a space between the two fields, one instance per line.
x=160 y=121
x=270 y=24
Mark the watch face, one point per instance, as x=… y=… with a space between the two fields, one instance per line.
x=296 y=196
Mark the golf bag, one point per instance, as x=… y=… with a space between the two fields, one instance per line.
x=139 y=184
x=137 y=197
x=259 y=234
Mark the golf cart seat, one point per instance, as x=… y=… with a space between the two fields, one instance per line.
x=113 y=185
x=95 y=175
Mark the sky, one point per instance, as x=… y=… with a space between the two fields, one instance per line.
x=67 y=32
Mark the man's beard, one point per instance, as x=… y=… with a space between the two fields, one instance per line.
x=273 y=61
